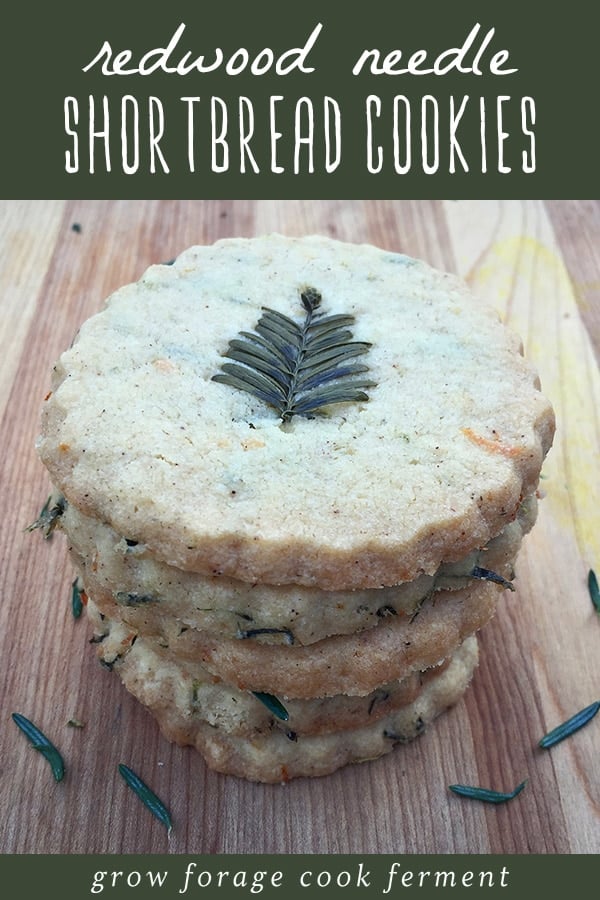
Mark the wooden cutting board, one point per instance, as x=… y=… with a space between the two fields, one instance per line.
x=538 y=263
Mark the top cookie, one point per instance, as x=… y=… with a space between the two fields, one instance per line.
x=360 y=494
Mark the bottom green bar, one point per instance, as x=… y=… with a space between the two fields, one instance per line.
x=223 y=877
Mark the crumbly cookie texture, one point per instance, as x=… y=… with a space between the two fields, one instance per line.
x=258 y=748
x=348 y=664
x=149 y=591
x=365 y=495
x=276 y=759
x=147 y=670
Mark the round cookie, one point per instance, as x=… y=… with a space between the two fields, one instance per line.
x=289 y=614
x=273 y=758
x=272 y=755
x=148 y=671
x=138 y=434
x=348 y=664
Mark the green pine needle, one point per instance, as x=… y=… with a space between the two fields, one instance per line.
x=594 y=590
x=484 y=794
x=488 y=575
x=77 y=597
x=48 y=517
x=147 y=796
x=569 y=727
x=274 y=705
x=40 y=742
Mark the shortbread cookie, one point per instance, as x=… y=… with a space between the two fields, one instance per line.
x=273 y=758
x=349 y=664
x=159 y=681
x=293 y=469
x=290 y=614
x=276 y=754
x=361 y=494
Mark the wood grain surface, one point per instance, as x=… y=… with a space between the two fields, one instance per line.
x=538 y=263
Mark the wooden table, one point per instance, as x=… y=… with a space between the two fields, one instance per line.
x=539 y=264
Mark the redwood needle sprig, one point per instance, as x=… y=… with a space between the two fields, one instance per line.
x=298 y=368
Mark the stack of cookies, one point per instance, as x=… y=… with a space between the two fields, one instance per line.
x=295 y=476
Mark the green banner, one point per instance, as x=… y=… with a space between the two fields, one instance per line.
x=386 y=99
x=366 y=877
